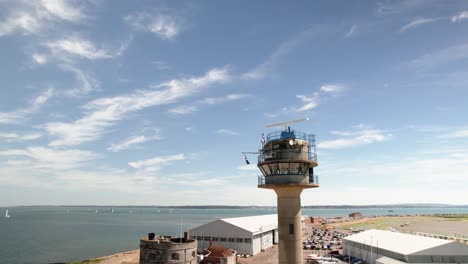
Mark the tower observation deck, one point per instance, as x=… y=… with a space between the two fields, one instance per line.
x=287 y=159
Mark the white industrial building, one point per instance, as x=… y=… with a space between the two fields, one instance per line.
x=385 y=247
x=246 y=235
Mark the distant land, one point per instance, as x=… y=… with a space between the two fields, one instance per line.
x=405 y=205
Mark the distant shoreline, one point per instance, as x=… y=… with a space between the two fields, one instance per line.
x=264 y=207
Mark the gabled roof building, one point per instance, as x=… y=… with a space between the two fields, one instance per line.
x=378 y=246
x=246 y=235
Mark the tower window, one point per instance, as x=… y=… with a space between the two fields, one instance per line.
x=291 y=229
x=175 y=256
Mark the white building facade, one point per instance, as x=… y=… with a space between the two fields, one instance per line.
x=378 y=246
x=246 y=235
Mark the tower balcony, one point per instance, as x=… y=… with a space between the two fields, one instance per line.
x=271 y=182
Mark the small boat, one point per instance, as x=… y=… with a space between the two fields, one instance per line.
x=112 y=210
x=6 y=214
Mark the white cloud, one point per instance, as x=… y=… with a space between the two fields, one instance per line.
x=450 y=54
x=63 y=10
x=130 y=142
x=165 y=26
x=161 y=65
x=355 y=138
x=332 y=89
x=461 y=16
x=39 y=58
x=226 y=132
x=461 y=133
x=190 y=108
x=262 y=70
x=447 y=55
x=417 y=22
x=17 y=137
x=87 y=83
x=104 y=112
x=19 y=21
x=30 y=17
x=20 y=115
x=249 y=167
x=351 y=31
x=76 y=46
x=311 y=102
x=47 y=158
x=156 y=163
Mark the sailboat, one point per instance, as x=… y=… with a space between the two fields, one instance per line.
x=6 y=214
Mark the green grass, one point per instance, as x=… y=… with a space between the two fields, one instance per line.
x=458 y=217
x=381 y=224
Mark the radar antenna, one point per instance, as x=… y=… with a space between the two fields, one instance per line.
x=288 y=122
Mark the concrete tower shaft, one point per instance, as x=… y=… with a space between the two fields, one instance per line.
x=289 y=225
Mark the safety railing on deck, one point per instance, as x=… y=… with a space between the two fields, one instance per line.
x=314 y=179
x=261 y=180
x=286 y=134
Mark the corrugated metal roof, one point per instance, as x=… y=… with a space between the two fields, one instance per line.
x=254 y=223
x=405 y=244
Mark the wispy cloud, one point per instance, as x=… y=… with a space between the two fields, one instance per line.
x=417 y=22
x=132 y=141
x=262 y=70
x=39 y=58
x=352 y=31
x=18 y=137
x=47 y=158
x=63 y=10
x=248 y=167
x=86 y=82
x=163 y=25
x=190 y=108
x=30 y=17
x=460 y=133
x=450 y=54
x=79 y=47
x=104 y=112
x=461 y=16
x=156 y=163
x=355 y=138
x=19 y=115
x=161 y=65
x=223 y=131
x=310 y=102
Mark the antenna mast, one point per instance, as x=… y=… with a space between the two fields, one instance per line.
x=288 y=122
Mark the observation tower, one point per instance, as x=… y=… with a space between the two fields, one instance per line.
x=287 y=159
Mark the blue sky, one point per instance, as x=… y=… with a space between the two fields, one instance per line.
x=152 y=103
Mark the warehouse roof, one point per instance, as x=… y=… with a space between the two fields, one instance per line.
x=254 y=223
x=405 y=244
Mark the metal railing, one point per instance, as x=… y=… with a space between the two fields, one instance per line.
x=314 y=179
x=261 y=180
x=286 y=134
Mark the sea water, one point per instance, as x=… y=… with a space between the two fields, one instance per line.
x=55 y=234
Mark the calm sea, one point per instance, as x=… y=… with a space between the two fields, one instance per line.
x=62 y=234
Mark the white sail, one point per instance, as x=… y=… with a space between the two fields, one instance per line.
x=6 y=214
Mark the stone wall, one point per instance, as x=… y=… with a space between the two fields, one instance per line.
x=168 y=251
